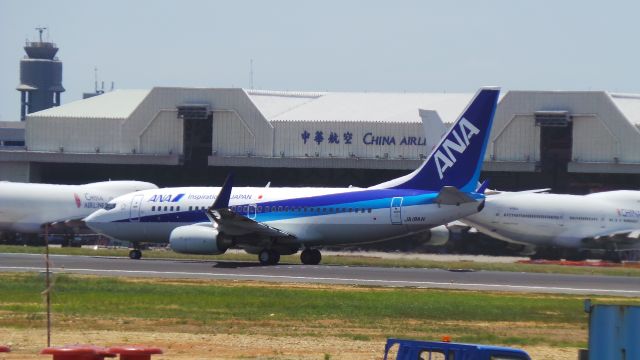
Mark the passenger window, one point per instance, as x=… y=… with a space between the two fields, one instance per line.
x=392 y=354
x=178 y=208
x=165 y=208
x=153 y=208
x=171 y=208
x=190 y=208
x=431 y=355
x=280 y=208
x=350 y=209
x=246 y=209
x=369 y=210
x=286 y=208
x=259 y=208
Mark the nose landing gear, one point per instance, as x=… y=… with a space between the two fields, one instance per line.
x=135 y=254
x=269 y=257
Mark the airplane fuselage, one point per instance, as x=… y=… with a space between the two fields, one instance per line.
x=570 y=221
x=25 y=207
x=312 y=215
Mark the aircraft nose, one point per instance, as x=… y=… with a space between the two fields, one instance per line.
x=94 y=216
x=95 y=219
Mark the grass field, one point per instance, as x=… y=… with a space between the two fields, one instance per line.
x=359 y=313
x=349 y=261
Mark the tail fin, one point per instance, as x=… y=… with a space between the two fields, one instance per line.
x=457 y=159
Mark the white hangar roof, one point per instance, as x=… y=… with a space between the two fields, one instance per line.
x=289 y=106
x=629 y=105
x=279 y=106
x=117 y=104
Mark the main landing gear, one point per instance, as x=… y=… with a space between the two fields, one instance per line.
x=269 y=257
x=310 y=256
x=135 y=254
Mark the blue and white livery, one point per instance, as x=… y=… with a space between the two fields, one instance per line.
x=273 y=221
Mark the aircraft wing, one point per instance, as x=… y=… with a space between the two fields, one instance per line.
x=235 y=224
x=623 y=239
x=534 y=191
x=67 y=224
x=450 y=195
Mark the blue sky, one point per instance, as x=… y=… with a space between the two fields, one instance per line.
x=421 y=46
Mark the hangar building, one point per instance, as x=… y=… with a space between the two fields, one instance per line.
x=570 y=141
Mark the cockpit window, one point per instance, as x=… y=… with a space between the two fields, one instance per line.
x=109 y=206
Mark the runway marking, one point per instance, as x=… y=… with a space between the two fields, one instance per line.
x=308 y=278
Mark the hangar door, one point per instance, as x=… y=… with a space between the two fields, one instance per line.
x=198 y=127
x=556 y=139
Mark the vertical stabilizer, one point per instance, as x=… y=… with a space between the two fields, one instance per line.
x=457 y=159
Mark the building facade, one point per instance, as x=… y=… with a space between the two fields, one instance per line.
x=569 y=141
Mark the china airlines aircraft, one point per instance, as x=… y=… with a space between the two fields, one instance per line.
x=273 y=221
x=25 y=207
x=563 y=226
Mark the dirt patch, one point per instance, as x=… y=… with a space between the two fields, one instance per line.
x=26 y=343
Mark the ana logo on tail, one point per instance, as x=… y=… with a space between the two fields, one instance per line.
x=447 y=159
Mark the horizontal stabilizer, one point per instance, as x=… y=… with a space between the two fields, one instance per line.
x=450 y=195
x=505 y=193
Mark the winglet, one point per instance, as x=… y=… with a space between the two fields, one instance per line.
x=483 y=187
x=222 y=200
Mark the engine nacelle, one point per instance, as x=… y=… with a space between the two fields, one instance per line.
x=439 y=235
x=196 y=239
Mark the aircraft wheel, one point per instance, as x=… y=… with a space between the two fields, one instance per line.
x=268 y=257
x=612 y=256
x=575 y=255
x=276 y=257
x=310 y=256
x=135 y=254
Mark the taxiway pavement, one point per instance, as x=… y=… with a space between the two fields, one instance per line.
x=328 y=274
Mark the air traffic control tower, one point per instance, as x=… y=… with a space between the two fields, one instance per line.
x=40 y=77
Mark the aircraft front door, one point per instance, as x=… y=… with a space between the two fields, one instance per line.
x=396 y=211
x=134 y=210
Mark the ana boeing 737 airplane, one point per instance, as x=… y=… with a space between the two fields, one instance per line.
x=271 y=221
x=563 y=226
x=25 y=207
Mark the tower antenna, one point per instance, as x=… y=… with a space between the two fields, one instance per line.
x=95 y=76
x=41 y=29
x=251 y=72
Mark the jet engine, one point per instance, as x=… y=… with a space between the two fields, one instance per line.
x=438 y=235
x=198 y=239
